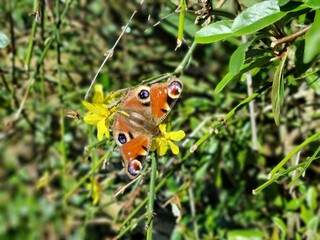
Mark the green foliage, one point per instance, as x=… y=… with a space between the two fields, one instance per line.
x=250 y=109
x=4 y=40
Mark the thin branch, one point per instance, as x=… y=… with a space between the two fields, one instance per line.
x=110 y=52
x=150 y=210
x=193 y=213
x=251 y=106
x=290 y=38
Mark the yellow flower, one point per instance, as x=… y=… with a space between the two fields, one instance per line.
x=165 y=140
x=95 y=189
x=99 y=114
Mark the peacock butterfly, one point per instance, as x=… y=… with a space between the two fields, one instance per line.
x=137 y=120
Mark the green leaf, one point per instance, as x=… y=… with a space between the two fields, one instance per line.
x=277 y=93
x=249 y=3
x=313 y=223
x=278 y=89
x=314 y=82
x=312 y=40
x=4 y=40
x=306 y=214
x=293 y=204
x=227 y=78
x=250 y=234
x=312 y=198
x=246 y=67
x=257 y=17
x=280 y=224
x=315 y=4
x=214 y=32
x=238 y=57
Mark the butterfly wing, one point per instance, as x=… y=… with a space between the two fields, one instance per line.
x=133 y=141
x=163 y=96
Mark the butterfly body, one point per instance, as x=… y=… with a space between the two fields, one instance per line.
x=137 y=120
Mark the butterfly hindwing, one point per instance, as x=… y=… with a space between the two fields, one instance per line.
x=134 y=154
x=134 y=143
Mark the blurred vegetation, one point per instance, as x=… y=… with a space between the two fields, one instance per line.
x=250 y=107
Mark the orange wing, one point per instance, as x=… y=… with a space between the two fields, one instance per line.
x=134 y=154
x=163 y=96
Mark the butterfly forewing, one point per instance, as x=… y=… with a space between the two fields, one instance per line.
x=163 y=97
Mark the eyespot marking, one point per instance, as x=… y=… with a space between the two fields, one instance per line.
x=174 y=89
x=143 y=94
x=122 y=138
x=134 y=167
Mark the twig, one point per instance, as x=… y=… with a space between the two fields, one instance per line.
x=150 y=210
x=295 y=172
x=121 y=190
x=185 y=60
x=110 y=52
x=193 y=213
x=196 y=130
x=182 y=8
x=251 y=107
x=290 y=38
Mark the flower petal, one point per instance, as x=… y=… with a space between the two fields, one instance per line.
x=102 y=108
x=163 y=128
x=177 y=136
x=101 y=129
x=174 y=148
x=155 y=144
x=91 y=118
x=163 y=148
x=98 y=94
x=91 y=107
x=107 y=124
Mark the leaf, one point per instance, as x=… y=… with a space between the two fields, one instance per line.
x=214 y=32
x=312 y=198
x=312 y=40
x=249 y=234
x=4 y=40
x=315 y=4
x=293 y=204
x=238 y=57
x=280 y=224
x=305 y=214
x=246 y=67
x=227 y=78
x=314 y=82
x=313 y=223
x=277 y=90
x=257 y=17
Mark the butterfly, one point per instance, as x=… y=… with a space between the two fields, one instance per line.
x=137 y=120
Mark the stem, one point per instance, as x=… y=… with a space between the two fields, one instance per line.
x=290 y=38
x=183 y=7
x=193 y=213
x=92 y=170
x=136 y=210
x=31 y=41
x=151 y=198
x=185 y=60
x=251 y=107
x=110 y=53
